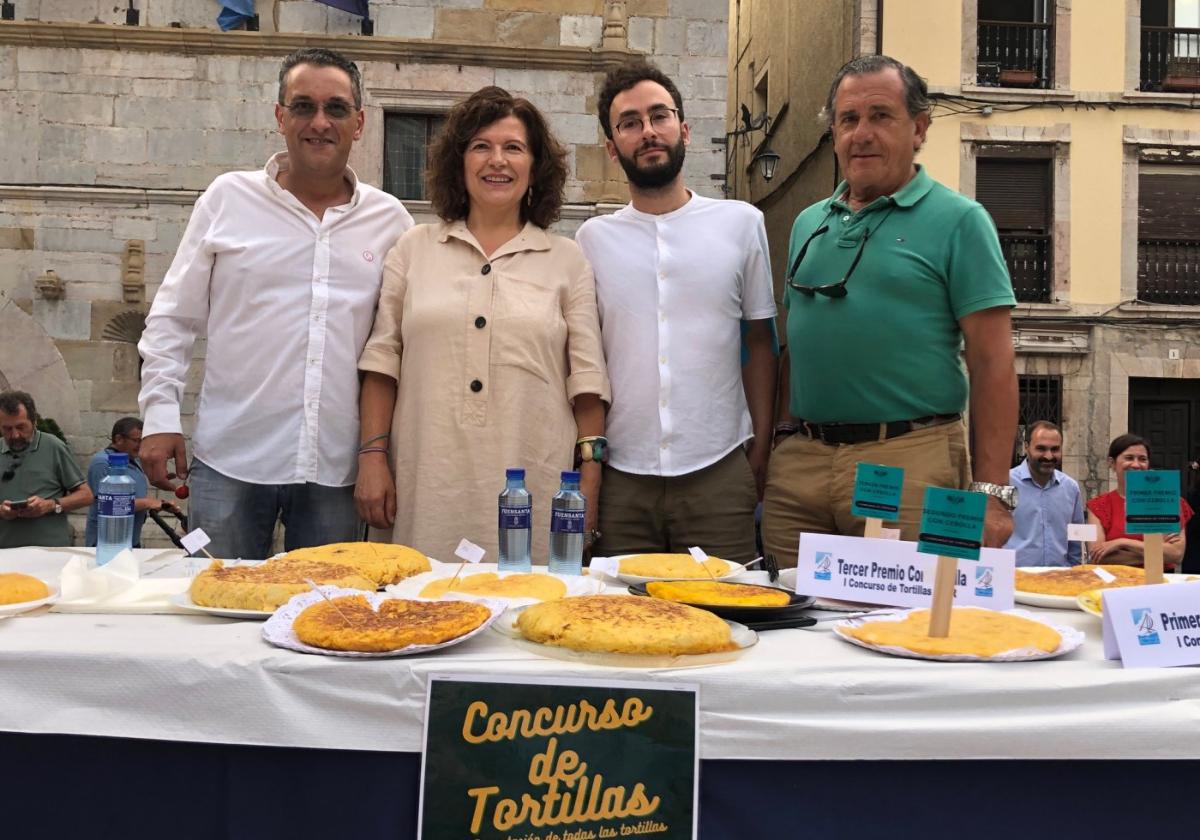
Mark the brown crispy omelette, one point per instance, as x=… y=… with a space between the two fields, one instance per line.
x=384 y=563
x=624 y=624
x=1075 y=579
x=398 y=623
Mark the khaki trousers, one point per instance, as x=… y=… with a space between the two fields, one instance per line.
x=810 y=484
x=712 y=508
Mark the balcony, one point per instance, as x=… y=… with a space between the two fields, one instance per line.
x=1030 y=260
x=1016 y=54
x=1168 y=271
x=1170 y=59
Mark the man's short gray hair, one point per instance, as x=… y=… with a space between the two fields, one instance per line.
x=916 y=92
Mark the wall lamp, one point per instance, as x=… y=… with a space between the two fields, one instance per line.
x=765 y=157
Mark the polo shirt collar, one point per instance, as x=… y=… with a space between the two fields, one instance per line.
x=37 y=440
x=279 y=162
x=906 y=196
x=531 y=238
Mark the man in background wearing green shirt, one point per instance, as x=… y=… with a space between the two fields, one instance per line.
x=39 y=479
x=887 y=280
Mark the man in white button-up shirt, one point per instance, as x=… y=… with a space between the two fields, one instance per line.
x=280 y=270
x=677 y=275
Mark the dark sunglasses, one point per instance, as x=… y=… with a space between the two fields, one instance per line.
x=830 y=290
x=335 y=109
x=11 y=471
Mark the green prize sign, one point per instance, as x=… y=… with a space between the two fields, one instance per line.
x=877 y=491
x=1151 y=501
x=952 y=523
x=511 y=759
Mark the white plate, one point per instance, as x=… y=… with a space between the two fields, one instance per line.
x=742 y=636
x=735 y=569
x=411 y=587
x=787 y=579
x=1070 y=640
x=184 y=601
x=7 y=610
x=279 y=627
x=1063 y=602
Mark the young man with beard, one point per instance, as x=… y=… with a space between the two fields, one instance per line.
x=676 y=275
x=1048 y=501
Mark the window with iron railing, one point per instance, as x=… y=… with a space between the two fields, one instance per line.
x=1018 y=193
x=1168 y=234
x=407 y=139
x=1016 y=43
x=1170 y=43
x=1039 y=397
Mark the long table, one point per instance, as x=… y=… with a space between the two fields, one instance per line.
x=797 y=713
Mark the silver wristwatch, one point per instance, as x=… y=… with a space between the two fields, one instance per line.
x=58 y=508
x=1003 y=493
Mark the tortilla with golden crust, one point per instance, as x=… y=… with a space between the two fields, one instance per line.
x=16 y=588
x=267 y=586
x=672 y=566
x=624 y=624
x=717 y=594
x=1075 y=579
x=541 y=587
x=973 y=631
x=384 y=563
x=397 y=624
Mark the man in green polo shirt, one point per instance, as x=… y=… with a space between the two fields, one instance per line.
x=888 y=279
x=39 y=479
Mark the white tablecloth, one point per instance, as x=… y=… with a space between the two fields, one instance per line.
x=798 y=694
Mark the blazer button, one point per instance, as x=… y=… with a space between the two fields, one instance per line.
x=487 y=269
x=476 y=385
x=481 y=322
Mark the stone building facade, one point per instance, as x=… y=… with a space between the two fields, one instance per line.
x=114 y=130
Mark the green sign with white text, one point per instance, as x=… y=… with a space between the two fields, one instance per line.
x=952 y=523
x=1151 y=501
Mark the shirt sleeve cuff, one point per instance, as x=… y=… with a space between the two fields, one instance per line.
x=380 y=361
x=588 y=382
x=162 y=419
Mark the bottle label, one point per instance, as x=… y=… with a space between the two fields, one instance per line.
x=115 y=504
x=516 y=518
x=566 y=521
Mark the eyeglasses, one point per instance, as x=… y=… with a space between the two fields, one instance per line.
x=830 y=290
x=335 y=109
x=660 y=120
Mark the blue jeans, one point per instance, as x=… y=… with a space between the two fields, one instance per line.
x=240 y=517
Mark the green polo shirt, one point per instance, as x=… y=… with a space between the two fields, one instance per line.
x=890 y=349
x=46 y=469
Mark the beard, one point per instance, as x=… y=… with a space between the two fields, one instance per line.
x=655 y=176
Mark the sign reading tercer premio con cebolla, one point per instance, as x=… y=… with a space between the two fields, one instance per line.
x=895 y=574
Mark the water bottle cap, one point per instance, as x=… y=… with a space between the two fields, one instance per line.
x=570 y=475
x=514 y=473
x=118 y=459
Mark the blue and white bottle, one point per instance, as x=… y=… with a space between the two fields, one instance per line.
x=567 y=512
x=114 y=504
x=516 y=523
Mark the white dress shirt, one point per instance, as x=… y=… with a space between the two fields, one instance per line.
x=264 y=278
x=672 y=291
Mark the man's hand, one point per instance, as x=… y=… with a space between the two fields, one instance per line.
x=36 y=508
x=997 y=524
x=375 y=491
x=6 y=512
x=156 y=451
x=758 y=455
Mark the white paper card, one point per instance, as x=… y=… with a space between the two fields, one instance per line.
x=889 y=533
x=1153 y=626
x=468 y=551
x=894 y=573
x=1081 y=532
x=195 y=540
x=1104 y=574
x=697 y=554
x=605 y=565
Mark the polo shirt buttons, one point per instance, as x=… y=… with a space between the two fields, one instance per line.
x=480 y=322
x=476 y=385
x=486 y=270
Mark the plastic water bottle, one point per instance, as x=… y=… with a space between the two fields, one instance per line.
x=566 y=527
x=516 y=523
x=115 y=510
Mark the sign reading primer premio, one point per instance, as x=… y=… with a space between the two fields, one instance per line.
x=877 y=491
x=507 y=758
x=1151 y=501
x=952 y=523
x=1153 y=626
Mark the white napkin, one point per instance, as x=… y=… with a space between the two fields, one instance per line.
x=116 y=587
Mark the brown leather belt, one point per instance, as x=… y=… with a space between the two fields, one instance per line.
x=835 y=434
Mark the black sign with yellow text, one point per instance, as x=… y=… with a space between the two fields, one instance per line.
x=560 y=760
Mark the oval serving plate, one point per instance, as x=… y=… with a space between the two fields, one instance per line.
x=795 y=605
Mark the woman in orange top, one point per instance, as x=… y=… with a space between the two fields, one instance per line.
x=1128 y=452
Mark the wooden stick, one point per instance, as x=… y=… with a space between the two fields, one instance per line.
x=461 y=566
x=874 y=528
x=943 y=597
x=337 y=609
x=1153 y=554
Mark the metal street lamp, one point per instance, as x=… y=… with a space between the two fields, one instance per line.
x=767 y=161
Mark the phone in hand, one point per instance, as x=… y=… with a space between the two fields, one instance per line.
x=17 y=505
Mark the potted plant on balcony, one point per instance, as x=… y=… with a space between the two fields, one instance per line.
x=1018 y=78
x=1183 y=74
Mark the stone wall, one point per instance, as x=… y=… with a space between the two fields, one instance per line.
x=112 y=133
